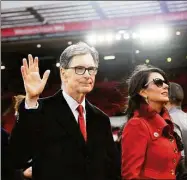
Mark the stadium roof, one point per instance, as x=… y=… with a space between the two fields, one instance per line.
x=80 y=11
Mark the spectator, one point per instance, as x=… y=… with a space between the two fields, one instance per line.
x=176 y=96
x=7 y=170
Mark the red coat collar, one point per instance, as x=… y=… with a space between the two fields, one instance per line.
x=157 y=121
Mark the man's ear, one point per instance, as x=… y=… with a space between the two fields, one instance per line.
x=62 y=74
x=143 y=93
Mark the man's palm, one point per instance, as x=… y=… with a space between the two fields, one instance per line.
x=33 y=84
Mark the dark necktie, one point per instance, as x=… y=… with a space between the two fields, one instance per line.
x=81 y=122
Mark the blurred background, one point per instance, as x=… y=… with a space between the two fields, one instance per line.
x=125 y=33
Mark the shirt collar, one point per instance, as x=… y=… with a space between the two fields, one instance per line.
x=73 y=104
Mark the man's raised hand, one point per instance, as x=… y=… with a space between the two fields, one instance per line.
x=33 y=83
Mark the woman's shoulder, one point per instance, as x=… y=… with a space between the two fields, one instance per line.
x=138 y=122
x=137 y=126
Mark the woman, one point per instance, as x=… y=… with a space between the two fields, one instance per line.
x=150 y=147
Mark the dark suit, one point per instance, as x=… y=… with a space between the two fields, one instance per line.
x=50 y=136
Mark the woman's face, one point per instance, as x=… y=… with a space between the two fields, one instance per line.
x=156 y=90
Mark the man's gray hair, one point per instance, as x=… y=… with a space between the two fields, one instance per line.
x=80 y=48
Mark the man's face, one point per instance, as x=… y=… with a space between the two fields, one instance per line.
x=77 y=84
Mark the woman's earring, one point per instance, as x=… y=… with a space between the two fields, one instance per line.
x=146 y=100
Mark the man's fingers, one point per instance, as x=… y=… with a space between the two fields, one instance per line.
x=23 y=72
x=36 y=64
x=45 y=76
x=30 y=60
x=25 y=65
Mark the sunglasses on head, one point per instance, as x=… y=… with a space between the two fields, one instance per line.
x=158 y=82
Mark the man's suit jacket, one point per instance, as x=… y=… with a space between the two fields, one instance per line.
x=50 y=136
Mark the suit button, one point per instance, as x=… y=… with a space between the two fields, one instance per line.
x=175 y=151
x=172 y=172
x=174 y=161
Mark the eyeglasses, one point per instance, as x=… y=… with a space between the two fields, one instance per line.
x=80 y=70
x=158 y=82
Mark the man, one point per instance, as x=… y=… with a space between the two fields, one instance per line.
x=176 y=96
x=65 y=135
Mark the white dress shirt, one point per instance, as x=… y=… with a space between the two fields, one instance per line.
x=72 y=103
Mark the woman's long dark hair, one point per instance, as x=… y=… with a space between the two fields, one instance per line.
x=136 y=82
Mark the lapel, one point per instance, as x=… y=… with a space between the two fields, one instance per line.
x=91 y=121
x=66 y=119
